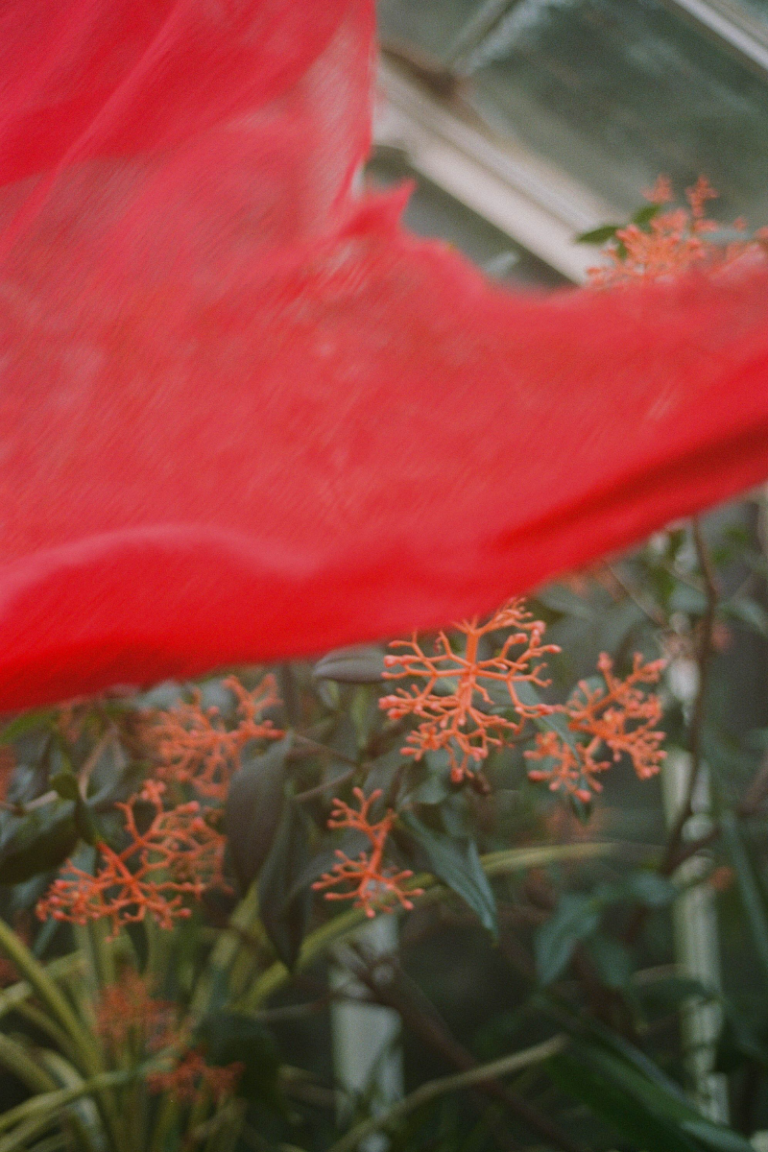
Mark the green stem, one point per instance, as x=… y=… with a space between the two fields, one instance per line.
x=37 y=1114
x=434 y=1088
x=345 y=925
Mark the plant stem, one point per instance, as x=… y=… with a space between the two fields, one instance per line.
x=478 y=1075
x=705 y=651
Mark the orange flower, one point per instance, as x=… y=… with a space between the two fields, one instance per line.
x=457 y=709
x=370 y=881
x=128 y=1014
x=673 y=242
x=191 y=1075
x=195 y=748
x=179 y=854
x=619 y=719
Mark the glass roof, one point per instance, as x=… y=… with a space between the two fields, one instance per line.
x=433 y=212
x=614 y=92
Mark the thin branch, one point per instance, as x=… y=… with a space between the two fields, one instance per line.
x=311 y=793
x=420 y=1015
x=479 y=1076
x=646 y=606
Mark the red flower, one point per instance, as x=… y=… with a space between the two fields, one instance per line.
x=245 y=416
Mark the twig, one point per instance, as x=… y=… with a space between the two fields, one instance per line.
x=654 y=614
x=420 y=1015
x=311 y=793
x=480 y=1076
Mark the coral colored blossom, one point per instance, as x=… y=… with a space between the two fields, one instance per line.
x=128 y=1016
x=193 y=745
x=606 y=723
x=452 y=695
x=178 y=855
x=673 y=242
x=370 y=880
x=191 y=1075
x=130 y=1019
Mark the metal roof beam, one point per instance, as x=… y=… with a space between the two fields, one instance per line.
x=533 y=202
x=731 y=26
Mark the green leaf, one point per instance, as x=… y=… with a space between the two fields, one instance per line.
x=686 y=599
x=651 y=889
x=38 y=842
x=26 y=723
x=255 y=804
x=628 y=1090
x=598 y=236
x=360 y=664
x=284 y=911
x=232 y=1037
x=456 y=861
x=644 y=215
x=717 y=1138
x=627 y=1116
x=575 y=918
x=65 y=783
x=748 y=612
x=640 y=1102
x=749 y=886
x=612 y=960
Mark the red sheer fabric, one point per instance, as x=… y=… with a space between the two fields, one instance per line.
x=245 y=416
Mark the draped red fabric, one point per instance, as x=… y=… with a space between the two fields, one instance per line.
x=245 y=416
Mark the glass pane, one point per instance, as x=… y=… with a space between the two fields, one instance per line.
x=613 y=91
x=432 y=212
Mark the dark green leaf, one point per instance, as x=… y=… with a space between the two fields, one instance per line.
x=575 y=918
x=599 y=236
x=228 y=1038
x=65 y=783
x=612 y=960
x=255 y=803
x=629 y=1117
x=456 y=862
x=749 y=885
x=37 y=842
x=284 y=911
x=651 y=889
x=85 y=823
x=361 y=664
x=644 y=215
x=749 y=612
x=26 y=723
x=622 y=1085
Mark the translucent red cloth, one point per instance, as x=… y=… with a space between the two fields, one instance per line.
x=245 y=416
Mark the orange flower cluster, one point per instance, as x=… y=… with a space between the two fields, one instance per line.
x=371 y=882
x=128 y=1017
x=674 y=241
x=180 y=854
x=194 y=747
x=191 y=1075
x=454 y=700
x=619 y=719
